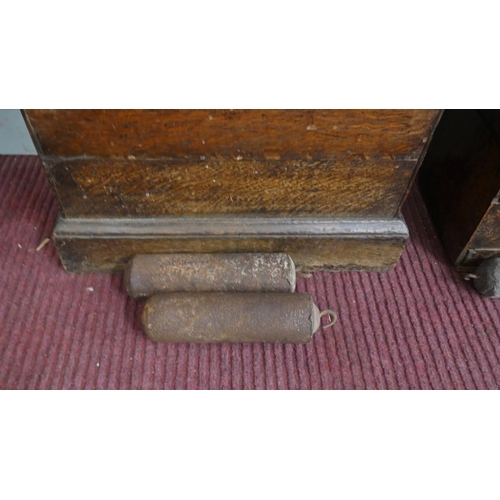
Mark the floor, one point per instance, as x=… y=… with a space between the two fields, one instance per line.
x=419 y=326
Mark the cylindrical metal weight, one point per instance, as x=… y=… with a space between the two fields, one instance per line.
x=247 y=272
x=231 y=317
x=487 y=281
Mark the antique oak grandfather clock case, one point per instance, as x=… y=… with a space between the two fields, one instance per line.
x=324 y=186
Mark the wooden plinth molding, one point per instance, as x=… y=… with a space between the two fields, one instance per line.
x=106 y=245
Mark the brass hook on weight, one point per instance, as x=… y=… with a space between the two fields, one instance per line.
x=332 y=314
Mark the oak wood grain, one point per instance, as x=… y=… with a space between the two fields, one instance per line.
x=139 y=166
x=230 y=134
x=142 y=188
x=487 y=234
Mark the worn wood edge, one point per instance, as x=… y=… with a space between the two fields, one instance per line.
x=32 y=133
x=98 y=256
x=46 y=165
x=229 y=227
x=163 y=159
x=338 y=245
x=372 y=254
x=420 y=160
x=133 y=137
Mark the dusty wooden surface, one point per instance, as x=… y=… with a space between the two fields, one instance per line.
x=487 y=234
x=229 y=134
x=236 y=164
x=92 y=246
x=102 y=188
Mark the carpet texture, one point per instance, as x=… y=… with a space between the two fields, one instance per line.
x=418 y=326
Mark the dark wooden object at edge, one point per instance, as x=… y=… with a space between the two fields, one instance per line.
x=460 y=182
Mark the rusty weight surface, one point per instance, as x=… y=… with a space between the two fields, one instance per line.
x=247 y=272
x=231 y=317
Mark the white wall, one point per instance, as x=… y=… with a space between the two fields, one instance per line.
x=14 y=136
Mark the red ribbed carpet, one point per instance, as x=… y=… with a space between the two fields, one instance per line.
x=416 y=327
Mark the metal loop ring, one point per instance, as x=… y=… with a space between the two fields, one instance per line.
x=332 y=314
